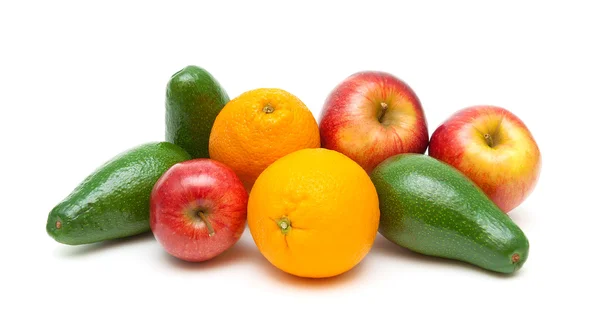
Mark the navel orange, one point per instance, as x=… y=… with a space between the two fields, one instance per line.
x=257 y=128
x=314 y=213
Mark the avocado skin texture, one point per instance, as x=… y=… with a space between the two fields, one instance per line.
x=194 y=99
x=114 y=201
x=431 y=208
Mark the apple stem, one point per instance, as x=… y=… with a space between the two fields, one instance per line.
x=384 y=107
x=515 y=258
x=489 y=140
x=202 y=216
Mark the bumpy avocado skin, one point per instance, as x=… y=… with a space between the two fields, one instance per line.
x=114 y=201
x=194 y=99
x=431 y=208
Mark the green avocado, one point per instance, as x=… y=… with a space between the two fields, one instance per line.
x=114 y=201
x=194 y=99
x=431 y=208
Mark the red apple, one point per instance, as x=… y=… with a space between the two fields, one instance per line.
x=494 y=149
x=198 y=209
x=371 y=116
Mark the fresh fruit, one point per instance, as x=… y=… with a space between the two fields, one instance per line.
x=431 y=208
x=198 y=209
x=259 y=127
x=114 y=201
x=314 y=213
x=194 y=98
x=371 y=116
x=492 y=147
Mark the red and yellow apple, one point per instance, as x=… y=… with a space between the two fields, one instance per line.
x=198 y=209
x=371 y=116
x=492 y=147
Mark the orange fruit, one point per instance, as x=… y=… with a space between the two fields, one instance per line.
x=259 y=127
x=314 y=213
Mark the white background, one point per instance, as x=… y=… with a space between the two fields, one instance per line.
x=81 y=83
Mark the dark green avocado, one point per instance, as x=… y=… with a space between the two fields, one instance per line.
x=114 y=201
x=431 y=208
x=194 y=99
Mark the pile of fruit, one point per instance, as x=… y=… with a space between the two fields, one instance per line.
x=314 y=194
